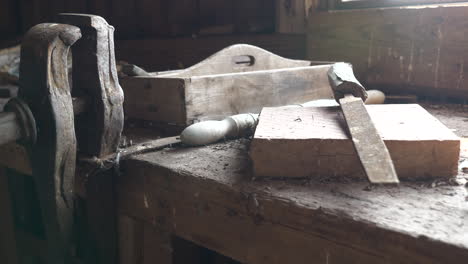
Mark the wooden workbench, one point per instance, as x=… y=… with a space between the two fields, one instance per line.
x=206 y=195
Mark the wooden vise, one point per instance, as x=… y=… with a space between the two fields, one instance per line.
x=53 y=126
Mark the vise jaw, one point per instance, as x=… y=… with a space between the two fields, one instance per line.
x=45 y=117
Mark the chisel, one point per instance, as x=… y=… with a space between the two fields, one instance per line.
x=373 y=154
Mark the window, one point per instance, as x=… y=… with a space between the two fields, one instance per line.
x=354 y=4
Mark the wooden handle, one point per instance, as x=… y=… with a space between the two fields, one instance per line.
x=343 y=81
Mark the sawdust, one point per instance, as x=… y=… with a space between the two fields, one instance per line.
x=454 y=116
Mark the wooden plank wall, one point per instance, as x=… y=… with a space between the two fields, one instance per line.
x=418 y=50
x=147 y=18
x=8 y=22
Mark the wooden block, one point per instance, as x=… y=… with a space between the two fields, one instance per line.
x=313 y=142
x=224 y=85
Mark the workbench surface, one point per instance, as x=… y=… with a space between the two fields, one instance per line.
x=207 y=195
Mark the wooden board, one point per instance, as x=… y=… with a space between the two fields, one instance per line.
x=170 y=54
x=237 y=79
x=404 y=49
x=206 y=195
x=313 y=143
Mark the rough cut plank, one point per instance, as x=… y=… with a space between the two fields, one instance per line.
x=313 y=142
x=206 y=195
x=404 y=49
x=249 y=92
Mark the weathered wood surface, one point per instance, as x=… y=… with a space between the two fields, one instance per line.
x=169 y=54
x=238 y=79
x=313 y=142
x=238 y=58
x=100 y=127
x=183 y=100
x=403 y=49
x=44 y=86
x=206 y=195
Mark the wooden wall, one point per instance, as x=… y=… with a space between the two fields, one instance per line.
x=420 y=50
x=172 y=34
x=147 y=18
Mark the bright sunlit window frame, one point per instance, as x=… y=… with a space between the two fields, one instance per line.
x=356 y=4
